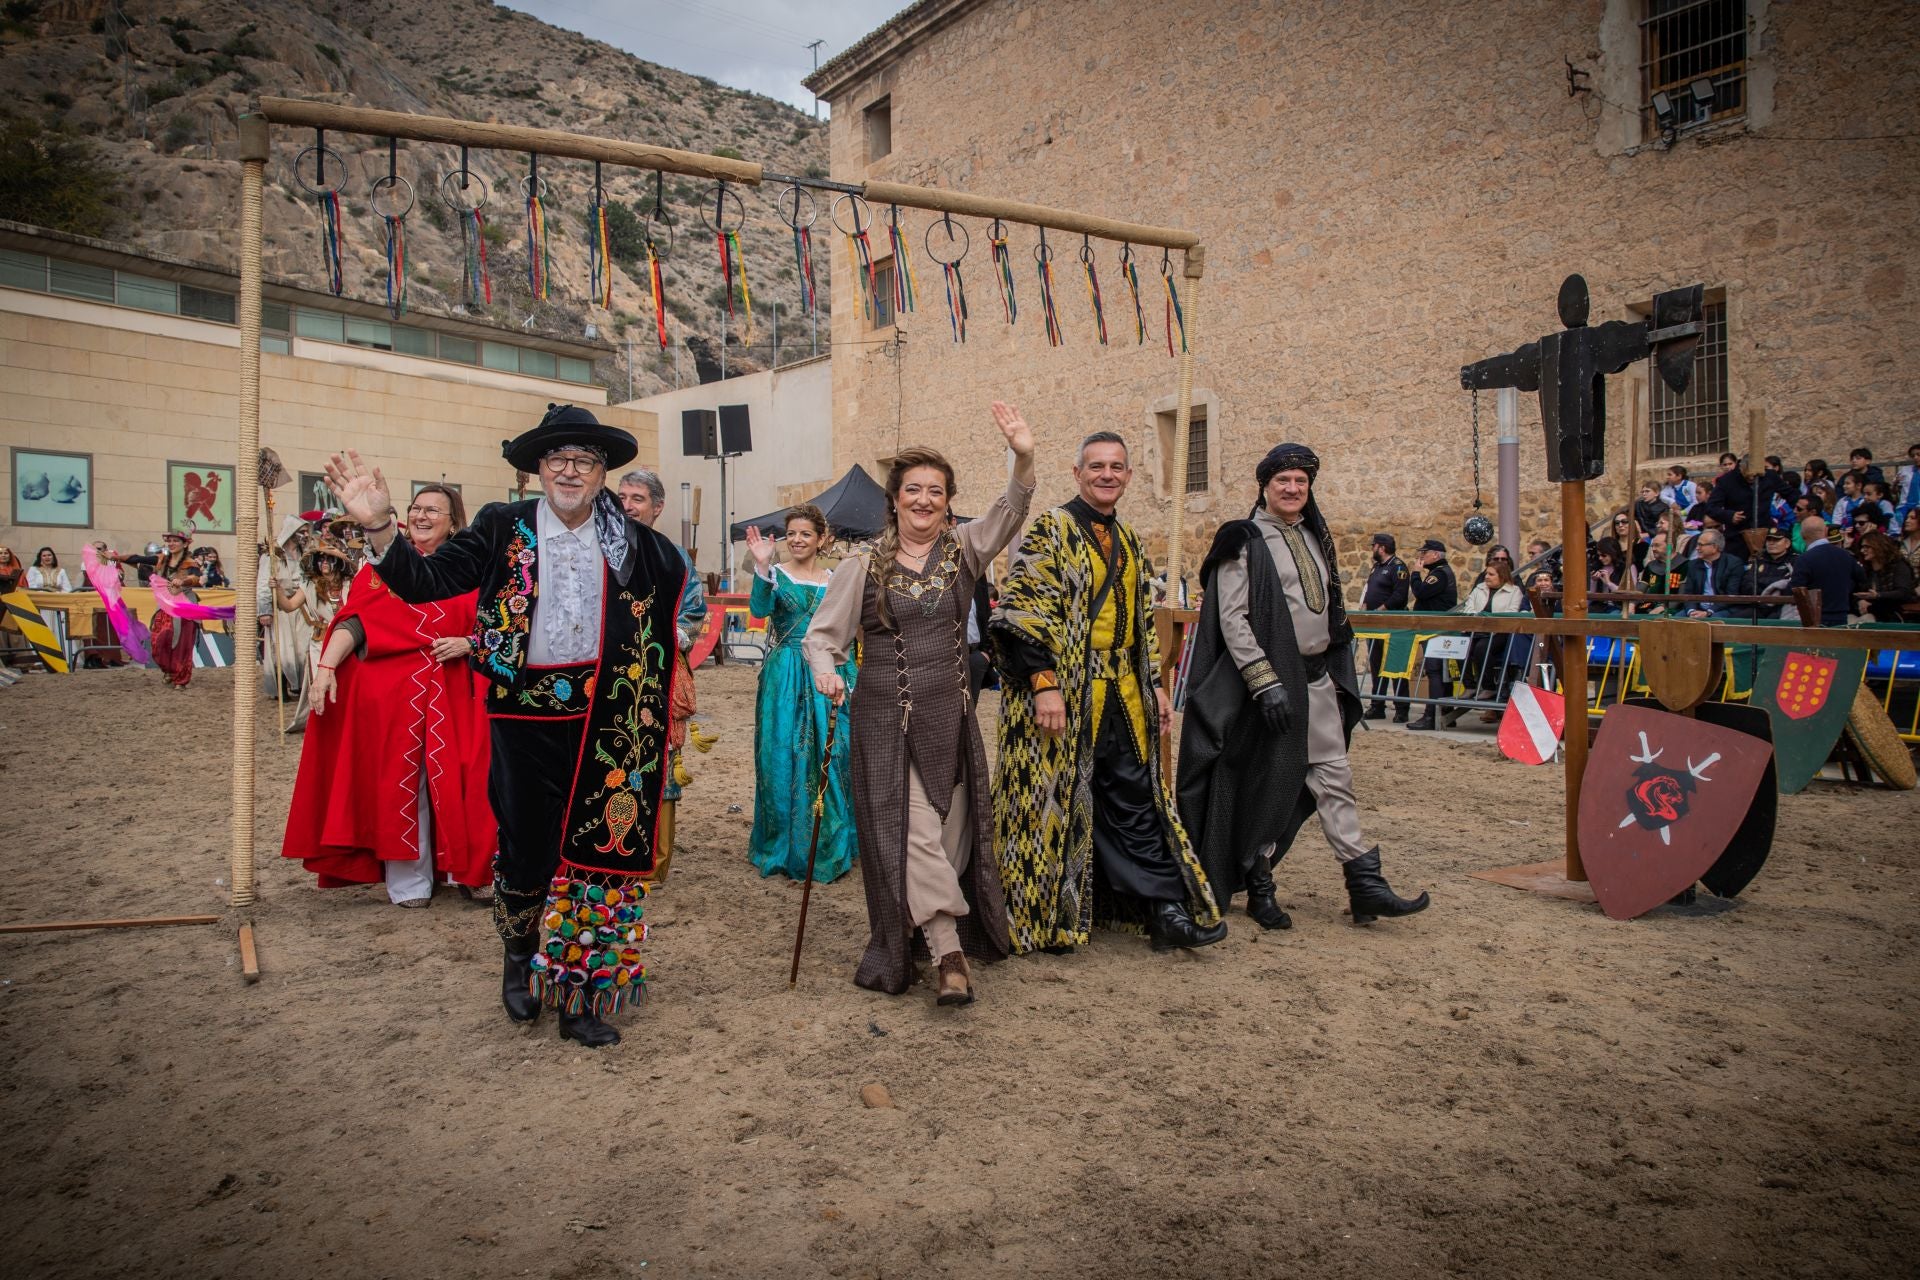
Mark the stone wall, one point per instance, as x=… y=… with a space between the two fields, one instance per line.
x=1385 y=193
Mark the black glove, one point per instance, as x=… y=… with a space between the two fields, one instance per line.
x=1272 y=701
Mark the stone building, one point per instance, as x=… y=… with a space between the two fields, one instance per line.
x=121 y=373
x=1386 y=192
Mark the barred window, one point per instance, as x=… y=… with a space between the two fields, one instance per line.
x=1197 y=451
x=1694 y=422
x=1684 y=42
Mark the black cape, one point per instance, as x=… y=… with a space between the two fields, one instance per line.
x=1241 y=787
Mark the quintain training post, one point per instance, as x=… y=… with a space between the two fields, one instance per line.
x=1569 y=369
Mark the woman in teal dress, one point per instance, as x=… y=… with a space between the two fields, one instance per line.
x=790 y=720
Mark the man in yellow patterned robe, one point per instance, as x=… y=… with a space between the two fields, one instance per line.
x=1085 y=826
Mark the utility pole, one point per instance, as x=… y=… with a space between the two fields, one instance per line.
x=775 y=362
x=815 y=47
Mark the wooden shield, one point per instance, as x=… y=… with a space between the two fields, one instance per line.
x=1679 y=661
x=1660 y=801
x=1747 y=852
x=1807 y=694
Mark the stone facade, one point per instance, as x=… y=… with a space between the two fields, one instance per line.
x=1385 y=193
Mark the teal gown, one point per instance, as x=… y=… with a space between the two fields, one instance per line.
x=789 y=733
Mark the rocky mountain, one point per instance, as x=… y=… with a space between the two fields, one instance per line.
x=157 y=86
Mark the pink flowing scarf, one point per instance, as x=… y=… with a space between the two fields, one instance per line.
x=129 y=630
x=187 y=610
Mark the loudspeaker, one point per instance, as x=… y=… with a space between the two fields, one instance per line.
x=699 y=433
x=735 y=436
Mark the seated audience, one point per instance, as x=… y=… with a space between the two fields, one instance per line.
x=1711 y=573
x=1828 y=569
x=45 y=573
x=1889 y=587
x=1860 y=462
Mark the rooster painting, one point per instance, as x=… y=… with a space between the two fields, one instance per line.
x=198 y=496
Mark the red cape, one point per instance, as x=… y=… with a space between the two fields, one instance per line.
x=356 y=798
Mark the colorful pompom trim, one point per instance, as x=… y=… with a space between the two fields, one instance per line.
x=590 y=961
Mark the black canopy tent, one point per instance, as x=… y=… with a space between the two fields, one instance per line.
x=855 y=507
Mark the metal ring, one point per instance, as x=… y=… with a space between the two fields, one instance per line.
x=524 y=186
x=720 y=212
x=1126 y=253
x=1166 y=264
x=1086 y=254
x=340 y=167
x=997 y=230
x=380 y=184
x=657 y=219
x=793 y=219
x=964 y=239
x=859 y=205
x=454 y=202
x=1043 y=253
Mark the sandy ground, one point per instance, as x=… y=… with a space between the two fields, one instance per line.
x=1505 y=1086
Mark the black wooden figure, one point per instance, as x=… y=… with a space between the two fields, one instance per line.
x=1569 y=371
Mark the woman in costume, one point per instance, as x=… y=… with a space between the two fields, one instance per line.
x=791 y=718
x=283 y=664
x=11 y=570
x=45 y=574
x=173 y=638
x=393 y=774
x=919 y=769
x=313 y=599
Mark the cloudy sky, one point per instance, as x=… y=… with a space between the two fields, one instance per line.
x=749 y=44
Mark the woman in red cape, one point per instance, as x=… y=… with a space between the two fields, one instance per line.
x=393 y=773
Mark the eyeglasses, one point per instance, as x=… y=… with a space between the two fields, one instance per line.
x=579 y=463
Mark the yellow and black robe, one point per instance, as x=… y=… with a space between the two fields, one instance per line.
x=1043 y=803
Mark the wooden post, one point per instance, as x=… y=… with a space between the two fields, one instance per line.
x=1196 y=265
x=254 y=152
x=1636 y=420
x=1573 y=659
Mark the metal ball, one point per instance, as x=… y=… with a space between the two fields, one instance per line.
x=1479 y=530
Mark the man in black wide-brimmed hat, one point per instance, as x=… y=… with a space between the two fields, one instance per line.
x=1272 y=701
x=576 y=634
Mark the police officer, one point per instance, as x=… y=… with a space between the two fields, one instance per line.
x=1434 y=591
x=1386 y=589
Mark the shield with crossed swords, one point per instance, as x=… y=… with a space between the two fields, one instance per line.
x=1662 y=796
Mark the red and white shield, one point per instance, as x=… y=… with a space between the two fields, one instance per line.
x=1805 y=681
x=1531 y=728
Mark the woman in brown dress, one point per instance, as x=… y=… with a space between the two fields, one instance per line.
x=920 y=801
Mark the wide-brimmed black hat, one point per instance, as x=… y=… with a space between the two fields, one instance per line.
x=569 y=424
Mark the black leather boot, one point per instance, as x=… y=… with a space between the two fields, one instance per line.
x=522 y=1005
x=1368 y=895
x=1173 y=927
x=1378 y=711
x=590 y=1031
x=1262 y=901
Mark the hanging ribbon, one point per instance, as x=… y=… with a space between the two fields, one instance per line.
x=656 y=277
x=1003 y=268
x=1093 y=289
x=1043 y=256
x=950 y=268
x=860 y=250
x=903 y=282
x=396 y=229
x=803 y=263
x=476 y=284
x=599 y=260
x=1174 y=314
x=732 y=264
x=538 y=264
x=328 y=201
x=1130 y=272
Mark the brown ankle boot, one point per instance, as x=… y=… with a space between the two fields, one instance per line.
x=956 y=980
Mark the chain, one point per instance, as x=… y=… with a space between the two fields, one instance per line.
x=1476 y=448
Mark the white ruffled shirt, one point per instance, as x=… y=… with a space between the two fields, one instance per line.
x=572 y=573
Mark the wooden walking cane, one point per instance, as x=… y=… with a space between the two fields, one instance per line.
x=813 y=845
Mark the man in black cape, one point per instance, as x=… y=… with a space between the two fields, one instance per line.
x=1272 y=701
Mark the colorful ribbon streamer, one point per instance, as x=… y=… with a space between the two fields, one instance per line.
x=956 y=300
x=904 y=284
x=538 y=262
x=1045 y=263
x=861 y=250
x=599 y=258
x=658 y=284
x=1003 y=267
x=1175 y=316
x=330 y=238
x=396 y=264
x=803 y=263
x=733 y=265
x=1093 y=292
x=478 y=284
x=1130 y=272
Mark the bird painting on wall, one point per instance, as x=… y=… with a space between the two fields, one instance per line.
x=70 y=490
x=34 y=490
x=197 y=495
